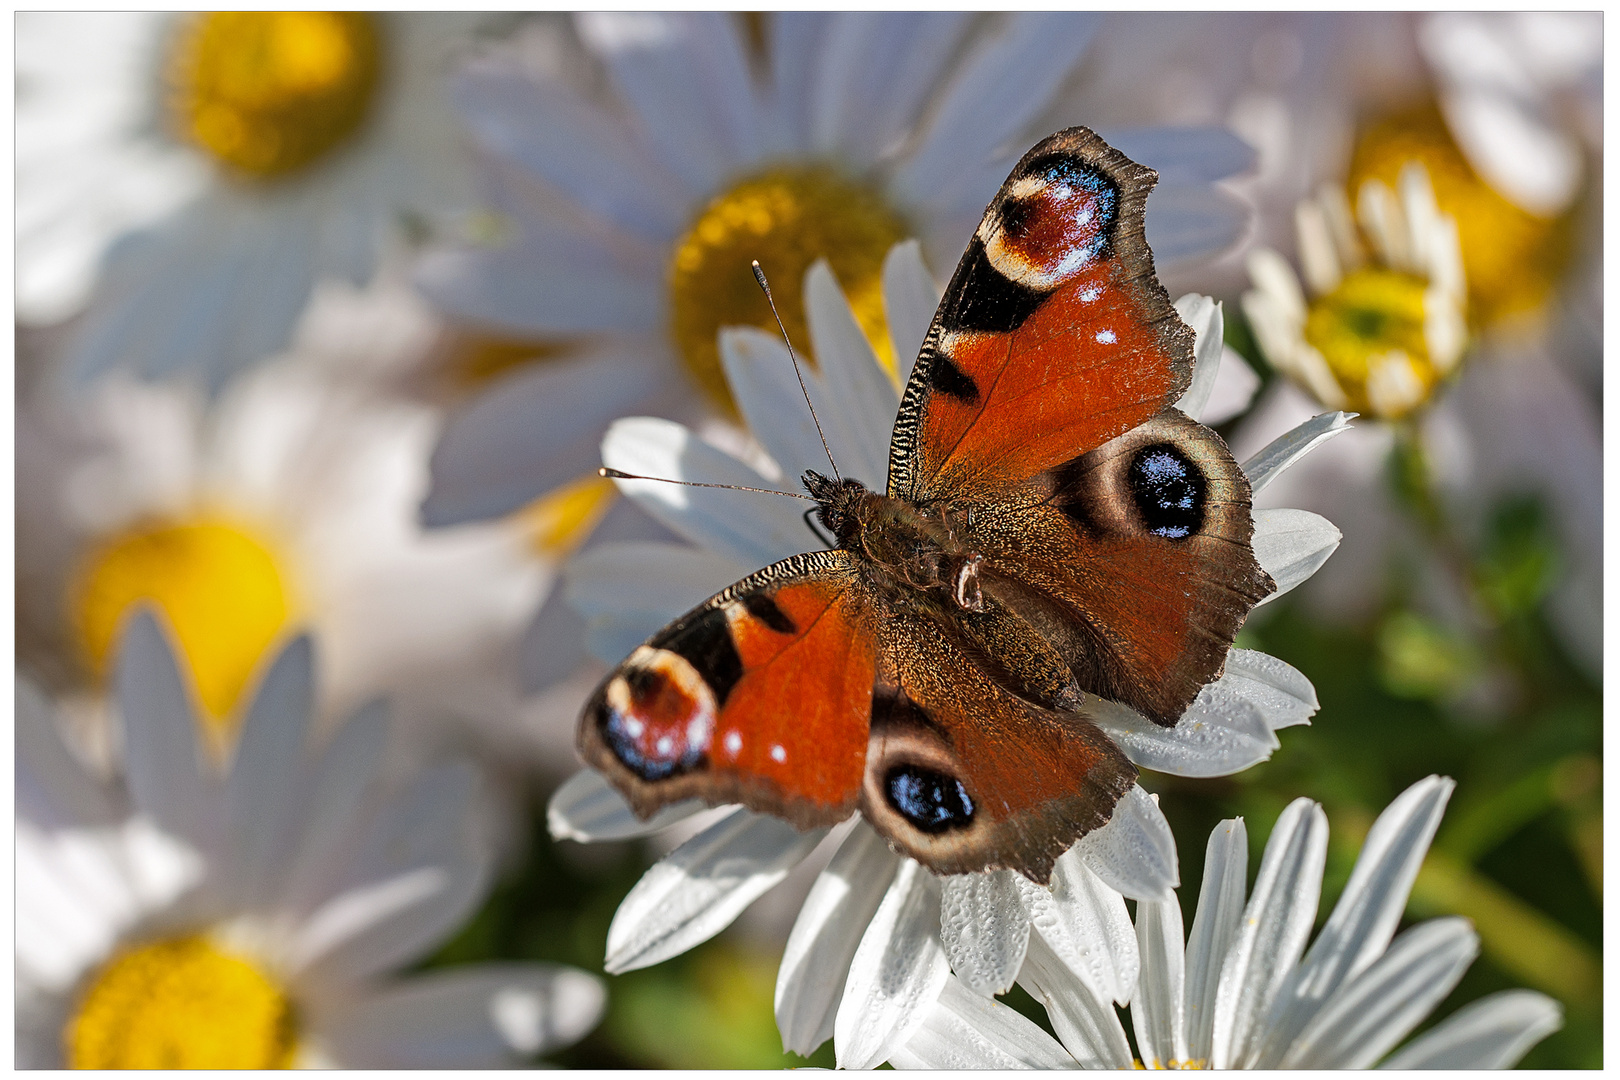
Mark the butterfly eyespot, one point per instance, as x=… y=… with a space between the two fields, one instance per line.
x=1055 y=221
x=657 y=717
x=1169 y=491
x=933 y=802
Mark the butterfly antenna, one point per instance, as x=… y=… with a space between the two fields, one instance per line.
x=615 y=474
x=759 y=276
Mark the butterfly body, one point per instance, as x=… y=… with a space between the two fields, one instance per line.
x=1054 y=536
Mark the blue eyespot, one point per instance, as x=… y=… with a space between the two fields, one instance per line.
x=1169 y=491
x=931 y=801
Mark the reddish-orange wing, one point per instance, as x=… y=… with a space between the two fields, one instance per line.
x=1053 y=337
x=760 y=696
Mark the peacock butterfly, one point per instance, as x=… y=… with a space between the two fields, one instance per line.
x=1054 y=532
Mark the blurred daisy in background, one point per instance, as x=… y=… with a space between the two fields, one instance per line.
x=634 y=186
x=287 y=502
x=200 y=173
x=1385 y=318
x=254 y=910
x=866 y=951
x=1242 y=991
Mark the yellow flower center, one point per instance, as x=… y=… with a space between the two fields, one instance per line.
x=786 y=218
x=558 y=521
x=220 y=588
x=268 y=92
x=181 y=1004
x=1511 y=257
x=1370 y=330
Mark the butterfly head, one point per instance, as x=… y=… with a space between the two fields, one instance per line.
x=842 y=501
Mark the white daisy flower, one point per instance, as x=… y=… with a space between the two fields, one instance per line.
x=1382 y=327
x=633 y=212
x=1243 y=992
x=255 y=912
x=210 y=169
x=288 y=502
x=867 y=954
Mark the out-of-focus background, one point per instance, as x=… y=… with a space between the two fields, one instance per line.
x=321 y=318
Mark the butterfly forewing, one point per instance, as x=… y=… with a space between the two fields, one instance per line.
x=1053 y=336
x=760 y=696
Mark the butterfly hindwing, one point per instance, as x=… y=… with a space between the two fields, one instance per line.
x=964 y=775
x=1053 y=336
x=1135 y=559
x=759 y=696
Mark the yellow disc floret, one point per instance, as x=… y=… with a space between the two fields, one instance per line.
x=1511 y=257
x=787 y=219
x=1371 y=331
x=181 y=1003
x=220 y=588
x=268 y=92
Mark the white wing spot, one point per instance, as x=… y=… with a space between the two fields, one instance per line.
x=733 y=743
x=1106 y=337
x=1091 y=294
x=778 y=753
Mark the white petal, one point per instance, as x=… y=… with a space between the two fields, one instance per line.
x=696 y=890
x=1159 y=1009
x=985 y=929
x=759 y=371
x=1215 y=926
x=1375 y=1010
x=663 y=580
x=1228 y=727
x=333 y=806
x=966 y=1030
x=686 y=77
x=1275 y=925
x=873 y=74
x=910 y=298
x=573 y=145
x=1367 y=913
x=535 y=430
x=1203 y=154
x=898 y=972
x=743 y=525
x=1203 y=314
x=1274 y=280
x=1235 y=387
x=470 y=1017
x=161 y=758
x=588 y=809
x=1491 y=1033
x=1283 y=695
x=997 y=88
x=861 y=400
x=605 y=284
x=1192 y=221
x=1134 y=853
x=1087 y=927
x=416 y=875
x=264 y=787
x=1266 y=465
x=1531 y=162
x=816 y=961
x=54 y=789
x=1088 y=1024
x=1291 y=545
